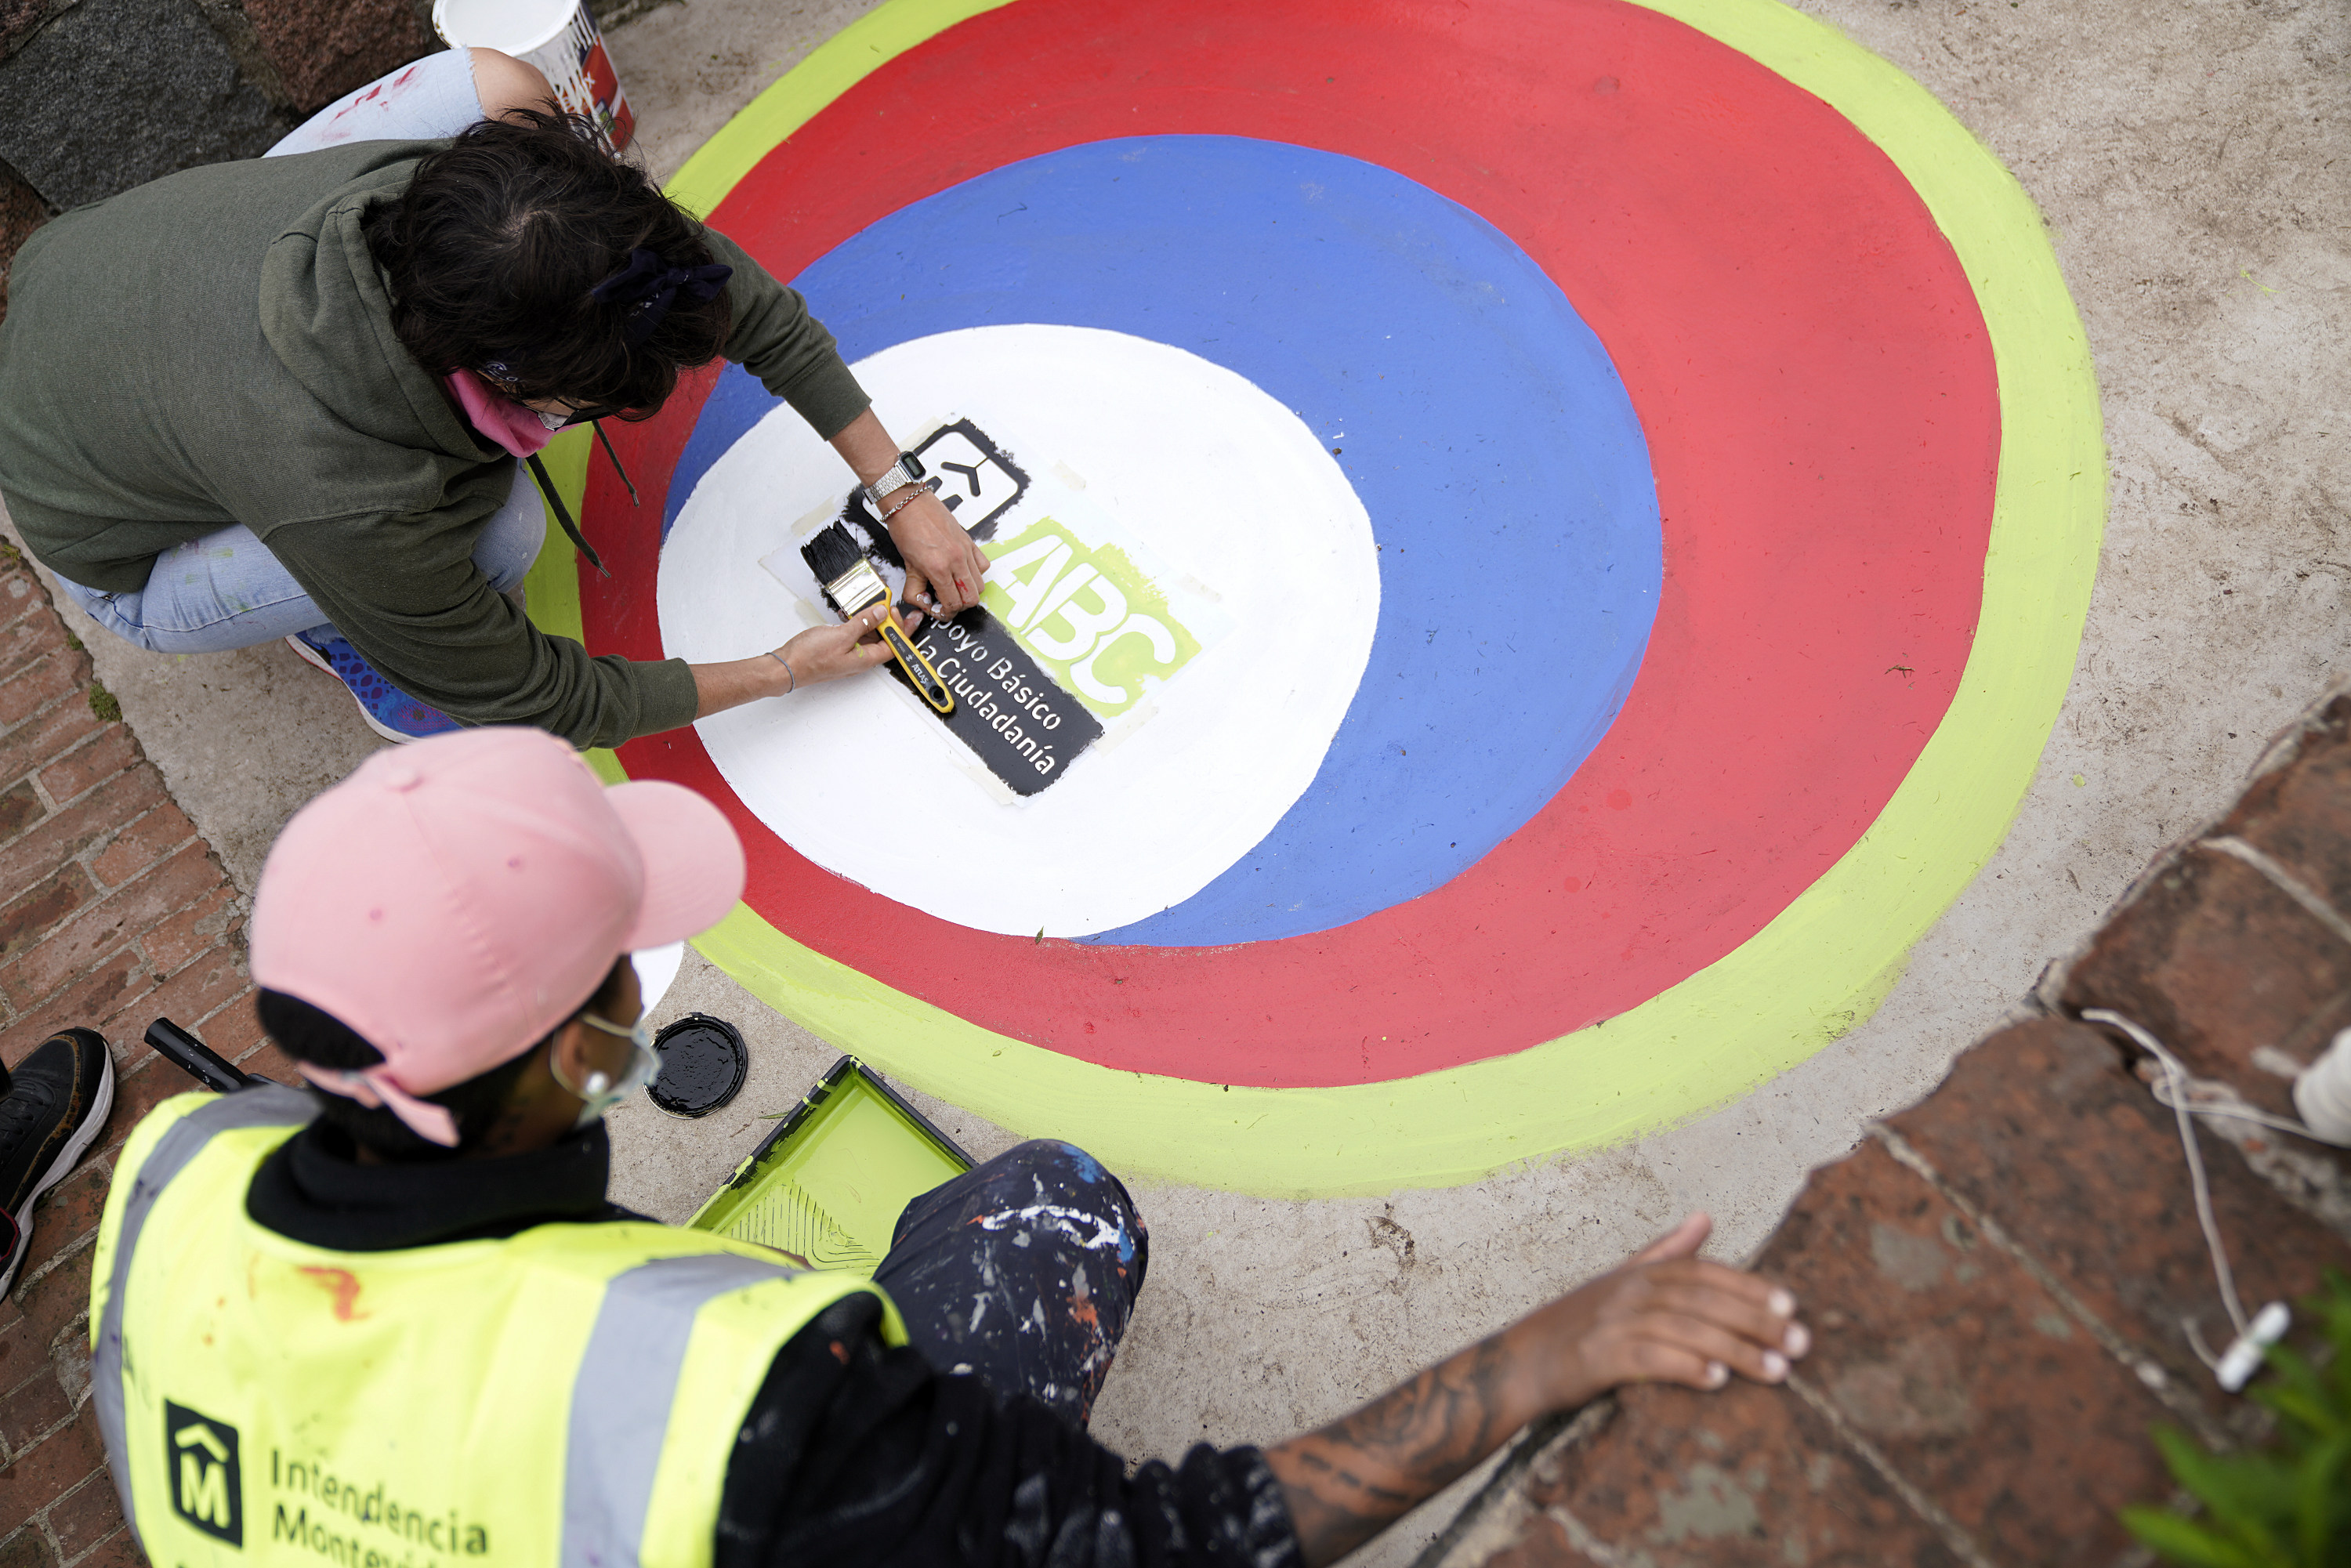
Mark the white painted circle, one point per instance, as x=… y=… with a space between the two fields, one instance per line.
x=1224 y=484
x=656 y=968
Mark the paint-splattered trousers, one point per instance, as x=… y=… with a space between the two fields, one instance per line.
x=1023 y=1271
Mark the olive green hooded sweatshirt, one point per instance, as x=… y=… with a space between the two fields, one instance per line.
x=216 y=347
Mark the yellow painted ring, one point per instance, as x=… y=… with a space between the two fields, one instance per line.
x=1813 y=974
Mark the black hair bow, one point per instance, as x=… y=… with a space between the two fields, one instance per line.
x=649 y=286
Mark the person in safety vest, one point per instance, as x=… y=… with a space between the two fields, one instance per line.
x=394 y=1322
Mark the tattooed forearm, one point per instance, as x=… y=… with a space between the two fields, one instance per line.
x=1347 y=1481
x=1666 y=1316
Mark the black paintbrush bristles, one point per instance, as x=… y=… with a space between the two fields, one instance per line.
x=832 y=554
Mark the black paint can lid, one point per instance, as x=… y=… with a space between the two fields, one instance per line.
x=702 y=1063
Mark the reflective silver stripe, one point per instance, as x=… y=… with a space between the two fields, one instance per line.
x=274 y=1105
x=620 y=1399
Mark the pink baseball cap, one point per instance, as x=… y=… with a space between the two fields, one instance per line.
x=455 y=899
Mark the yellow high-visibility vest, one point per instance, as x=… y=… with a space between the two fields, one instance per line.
x=565 y=1399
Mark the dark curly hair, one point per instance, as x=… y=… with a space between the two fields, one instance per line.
x=493 y=248
x=311 y=1034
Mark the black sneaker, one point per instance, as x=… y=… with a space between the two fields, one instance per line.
x=54 y=1109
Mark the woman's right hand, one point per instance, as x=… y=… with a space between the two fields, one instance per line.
x=825 y=654
x=828 y=652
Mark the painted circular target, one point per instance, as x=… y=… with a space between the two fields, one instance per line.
x=1273 y=775
x=1640 y=528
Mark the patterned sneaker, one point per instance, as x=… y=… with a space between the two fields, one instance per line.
x=54 y=1109
x=389 y=711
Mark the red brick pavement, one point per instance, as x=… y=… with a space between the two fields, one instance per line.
x=113 y=912
x=2003 y=1277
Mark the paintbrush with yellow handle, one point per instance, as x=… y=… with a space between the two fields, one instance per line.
x=851 y=584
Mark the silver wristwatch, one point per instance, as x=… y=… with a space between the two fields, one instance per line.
x=908 y=470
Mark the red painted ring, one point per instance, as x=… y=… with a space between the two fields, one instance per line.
x=1816 y=386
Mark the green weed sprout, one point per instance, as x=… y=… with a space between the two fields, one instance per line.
x=2284 y=1506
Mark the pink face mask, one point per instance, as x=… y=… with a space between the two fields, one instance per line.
x=500 y=420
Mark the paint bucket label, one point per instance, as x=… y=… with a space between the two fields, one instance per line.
x=561 y=39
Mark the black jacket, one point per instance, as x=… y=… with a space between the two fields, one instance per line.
x=854 y=1452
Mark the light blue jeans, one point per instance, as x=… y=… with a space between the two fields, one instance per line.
x=226 y=589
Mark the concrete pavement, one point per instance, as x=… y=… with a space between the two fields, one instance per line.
x=2189 y=160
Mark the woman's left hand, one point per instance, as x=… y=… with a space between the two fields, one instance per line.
x=943 y=564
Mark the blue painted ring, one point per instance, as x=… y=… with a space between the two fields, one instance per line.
x=1520 y=553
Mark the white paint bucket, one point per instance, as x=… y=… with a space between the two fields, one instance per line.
x=2323 y=1092
x=560 y=39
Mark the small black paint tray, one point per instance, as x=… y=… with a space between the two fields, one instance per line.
x=828 y=1184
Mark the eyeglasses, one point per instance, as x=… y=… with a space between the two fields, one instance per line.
x=592 y=412
x=600 y=1092
x=508 y=387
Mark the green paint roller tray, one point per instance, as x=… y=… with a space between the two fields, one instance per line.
x=828 y=1184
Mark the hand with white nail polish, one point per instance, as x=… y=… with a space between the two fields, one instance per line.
x=1670 y=1316
x=1666 y=1316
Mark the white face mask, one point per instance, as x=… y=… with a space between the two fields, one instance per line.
x=601 y=1093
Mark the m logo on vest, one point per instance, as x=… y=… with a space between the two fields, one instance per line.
x=207 y=1486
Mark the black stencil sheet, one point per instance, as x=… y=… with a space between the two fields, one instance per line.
x=1012 y=715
